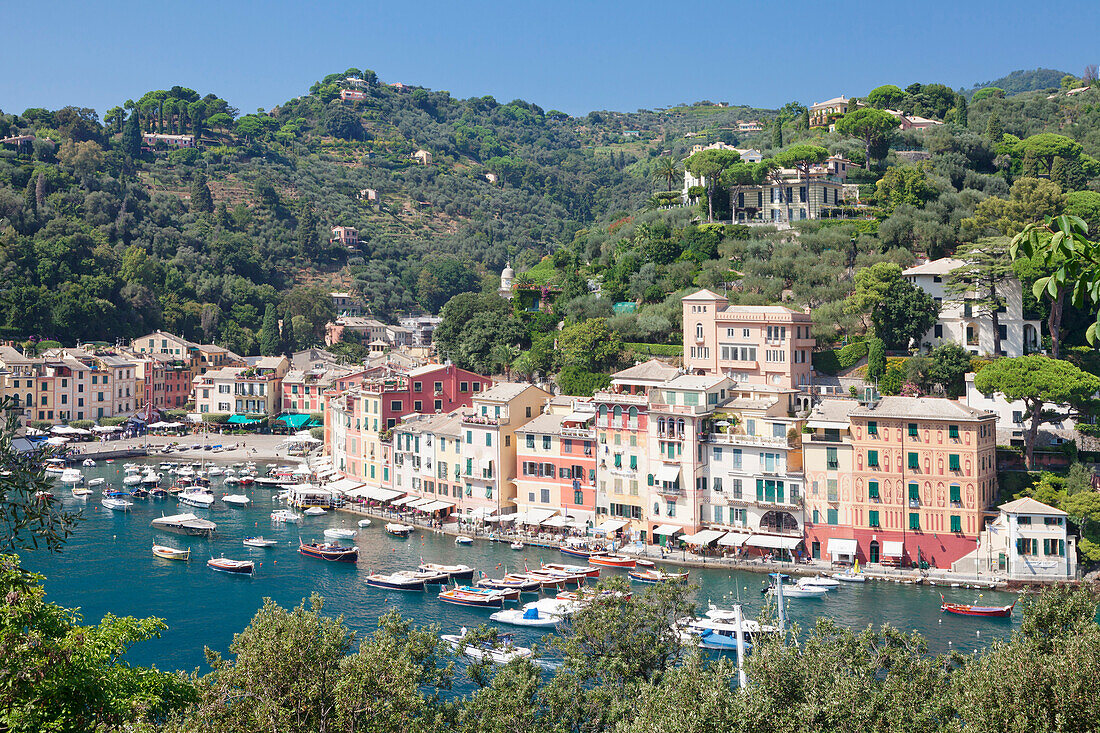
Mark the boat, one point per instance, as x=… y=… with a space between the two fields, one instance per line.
x=502 y=652
x=71 y=476
x=139 y=493
x=187 y=524
x=79 y=493
x=315 y=511
x=586 y=570
x=150 y=477
x=965 y=609
x=339 y=533
x=584 y=551
x=511 y=582
x=473 y=597
x=171 y=553
x=516 y=545
x=158 y=492
x=236 y=567
x=55 y=466
x=97 y=482
x=721 y=634
x=455 y=572
x=401 y=580
x=116 y=493
x=117 y=505
x=545 y=580
x=286 y=515
x=655 y=576
x=820 y=581
x=131 y=479
x=586 y=595
x=790 y=590
x=613 y=561
x=851 y=576
x=464 y=540
x=236 y=499
x=545 y=613
x=259 y=542
x=364 y=523
x=329 y=551
x=399 y=530
x=196 y=497
x=87 y=463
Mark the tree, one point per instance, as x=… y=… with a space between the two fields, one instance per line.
x=708 y=165
x=1046 y=146
x=131 y=137
x=289 y=340
x=577 y=381
x=886 y=96
x=982 y=280
x=802 y=158
x=668 y=170
x=869 y=125
x=950 y=363
x=589 y=345
x=1038 y=381
x=202 y=202
x=904 y=184
x=777 y=133
x=994 y=130
x=85 y=158
x=898 y=310
x=269 y=332
x=738 y=178
x=308 y=238
x=339 y=121
x=876 y=358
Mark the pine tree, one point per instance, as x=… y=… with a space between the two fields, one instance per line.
x=1068 y=174
x=993 y=128
x=1030 y=167
x=201 y=200
x=269 y=332
x=131 y=136
x=40 y=191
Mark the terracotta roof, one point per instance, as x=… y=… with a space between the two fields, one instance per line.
x=654 y=370
x=926 y=408
x=942 y=266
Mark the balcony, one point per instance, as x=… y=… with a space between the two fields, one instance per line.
x=623 y=472
x=668 y=490
x=832 y=497
x=680 y=409
x=621 y=398
x=587 y=433
x=670 y=436
x=822 y=438
x=914 y=503
x=484 y=420
x=742 y=439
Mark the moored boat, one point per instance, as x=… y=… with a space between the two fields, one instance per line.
x=583 y=551
x=364 y=522
x=87 y=463
x=97 y=482
x=315 y=511
x=820 y=581
x=401 y=580
x=339 y=533
x=516 y=545
x=473 y=597
x=547 y=612
x=117 y=505
x=455 y=572
x=586 y=570
x=187 y=524
x=398 y=530
x=545 y=580
x=464 y=540
x=286 y=515
x=790 y=590
x=511 y=582
x=612 y=561
x=259 y=542
x=655 y=576
x=966 y=609
x=80 y=493
x=235 y=567
x=236 y=499
x=329 y=551
x=501 y=653
x=171 y=553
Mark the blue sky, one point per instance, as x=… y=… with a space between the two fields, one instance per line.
x=572 y=56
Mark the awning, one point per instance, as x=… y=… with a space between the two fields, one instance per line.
x=406 y=500
x=667 y=530
x=841 y=547
x=556 y=521
x=481 y=512
x=420 y=503
x=244 y=420
x=893 y=549
x=436 y=506
x=344 y=485
x=669 y=472
x=538 y=516
x=733 y=539
x=703 y=537
x=298 y=421
x=578 y=416
x=610 y=525
x=772 y=542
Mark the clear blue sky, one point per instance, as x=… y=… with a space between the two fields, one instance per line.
x=572 y=56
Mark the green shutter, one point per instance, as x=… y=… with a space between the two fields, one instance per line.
x=914 y=520
x=956 y=493
x=953 y=432
x=872 y=518
x=914 y=462
x=914 y=492
x=912 y=430
x=649 y=479
x=872 y=427
x=956 y=523
x=953 y=462
x=872 y=459
x=832 y=516
x=872 y=490
x=760 y=489
x=816 y=517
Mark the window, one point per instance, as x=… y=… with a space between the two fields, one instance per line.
x=872 y=518
x=872 y=427
x=830 y=490
x=469 y=437
x=578 y=497
x=439 y=386
x=489 y=439
x=956 y=523
x=956 y=494
x=531 y=441
x=816 y=517
x=699 y=331
x=953 y=462
x=938 y=331
x=418 y=386
x=832 y=463
x=953 y=432
x=546 y=442
x=736 y=453
x=914 y=492
x=914 y=462
x=395 y=406
x=418 y=406
x=872 y=489
x=463 y=386
x=831 y=516
x=913 y=430
x=872 y=459
x=914 y=520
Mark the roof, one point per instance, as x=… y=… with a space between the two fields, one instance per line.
x=8 y=355
x=942 y=266
x=829 y=102
x=445 y=424
x=703 y=294
x=695 y=381
x=833 y=411
x=505 y=391
x=654 y=370
x=1027 y=505
x=927 y=408
x=780 y=310
x=547 y=424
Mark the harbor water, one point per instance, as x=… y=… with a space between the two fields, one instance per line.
x=107 y=567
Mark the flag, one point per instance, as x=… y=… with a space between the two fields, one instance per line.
x=525 y=567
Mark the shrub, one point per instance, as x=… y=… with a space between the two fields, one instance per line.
x=111 y=421
x=318 y=433
x=217 y=418
x=82 y=424
x=655 y=349
x=834 y=361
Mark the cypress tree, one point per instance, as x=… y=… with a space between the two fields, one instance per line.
x=290 y=341
x=993 y=128
x=269 y=332
x=30 y=202
x=777 y=134
x=308 y=240
x=961 y=111
x=1030 y=167
x=1068 y=174
x=131 y=136
x=201 y=200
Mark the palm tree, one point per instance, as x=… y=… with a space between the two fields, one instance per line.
x=669 y=171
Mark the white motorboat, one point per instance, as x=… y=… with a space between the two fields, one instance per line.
x=791 y=590
x=187 y=524
x=214 y=471
x=236 y=499
x=315 y=511
x=286 y=515
x=501 y=653
x=150 y=478
x=721 y=634
x=259 y=542
x=820 y=581
x=364 y=522
x=71 y=476
x=543 y=612
x=196 y=497
x=131 y=479
x=117 y=505
x=464 y=540
x=97 y=482
x=850 y=577
x=516 y=545
x=87 y=463
x=338 y=533
x=80 y=493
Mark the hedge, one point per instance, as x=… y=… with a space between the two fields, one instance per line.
x=656 y=349
x=215 y=417
x=111 y=421
x=833 y=361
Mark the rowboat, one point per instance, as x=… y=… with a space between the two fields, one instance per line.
x=259 y=542
x=329 y=551
x=580 y=551
x=964 y=609
x=455 y=572
x=545 y=580
x=171 y=553
x=82 y=493
x=117 y=505
x=401 y=580
x=655 y=576
x=236 y=567
x=187 y=524
x=473 y=597
x=398 y=530
x=339 y=533
x=501 y=653
x=585 y=570
x=516 y=545
x=612 y=561
x=511 y=582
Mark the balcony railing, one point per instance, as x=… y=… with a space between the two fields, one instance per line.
x=626 y=399
x=668 y=490
x=742 y=439
x=680 y=409
x=578 y=433
x=821 y=438
x=483 y=420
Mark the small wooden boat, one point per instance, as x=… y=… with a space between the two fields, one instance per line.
x=581 y=551
x=545 y=580
x=613 y=561
x=117 y=505
x=82 y=493
x=364 y=522
x=329 y=551
x=171 y=553
x=339 y=533
x=455 y=572
x=158 y=493
x=139 y=493
x=473 y=597
x=655 y=576
x=463 y=540
x=511 y=582
x=586 y=570
x=401 y=580
x=235 y=567
x=398 y=530
x=259 y=542
x=965 y=609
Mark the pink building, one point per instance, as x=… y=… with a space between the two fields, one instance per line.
x=758 y=344
x=352 y=95
x=556 y=465
x=164 y=382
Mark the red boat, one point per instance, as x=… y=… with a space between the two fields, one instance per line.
x=237 y=567
x=329 y=551
x=964 y=609
x=586 y=570
x=613 y=561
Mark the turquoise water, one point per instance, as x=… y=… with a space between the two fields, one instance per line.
x=107 y=566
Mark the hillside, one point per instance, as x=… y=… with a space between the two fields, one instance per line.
x=1021 y=80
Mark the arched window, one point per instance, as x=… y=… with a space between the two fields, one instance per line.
x=633 y=418
x=699 y=330
x=680 y=426
x=660 y=426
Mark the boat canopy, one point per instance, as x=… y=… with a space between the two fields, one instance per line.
x=773 y=542
x=733 y=539
x=610 y=525
x=667 y=530
x=703 y=537
x=893 y=549
x=841 y=547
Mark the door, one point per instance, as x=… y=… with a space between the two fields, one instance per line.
x=815 y=550
x=872 y=554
